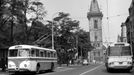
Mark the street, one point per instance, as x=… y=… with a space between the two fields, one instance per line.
x=92 y=69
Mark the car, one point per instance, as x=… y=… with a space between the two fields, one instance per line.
x=85 y=62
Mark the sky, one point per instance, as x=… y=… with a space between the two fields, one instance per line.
x=117 y=12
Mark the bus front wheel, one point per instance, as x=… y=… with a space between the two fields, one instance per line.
x=38 y=69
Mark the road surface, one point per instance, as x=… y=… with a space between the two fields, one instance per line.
x=92 y=69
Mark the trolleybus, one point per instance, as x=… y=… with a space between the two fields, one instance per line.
x=31 y=58
x=119 y=56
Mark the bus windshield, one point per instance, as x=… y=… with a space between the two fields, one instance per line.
x=120 y=51
x=19 y=52
x=13 y=53
x=23 y=52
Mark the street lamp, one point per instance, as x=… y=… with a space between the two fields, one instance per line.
x=52 y=35
x=53 y=30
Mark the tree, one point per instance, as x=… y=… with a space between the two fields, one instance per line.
x=3 y=36
x=11 y=16
x=84 y=44
x=40 y=34
x=13 y=21
x=38 y=11
x=63 y=27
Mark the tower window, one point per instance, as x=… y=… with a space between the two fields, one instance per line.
x=94 y=1
x=95 y=38
x=95 y=24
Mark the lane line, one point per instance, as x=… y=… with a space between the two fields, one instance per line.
x=91 y=70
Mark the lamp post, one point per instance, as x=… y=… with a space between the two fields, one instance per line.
x=53 y=30
x=52 y=35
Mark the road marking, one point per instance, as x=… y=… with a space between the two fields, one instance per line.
x=90 y=70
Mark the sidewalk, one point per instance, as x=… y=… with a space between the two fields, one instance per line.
x=3 y=72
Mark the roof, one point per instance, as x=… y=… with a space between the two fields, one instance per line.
x=94 y=7
x=94 y=10
x=126 y=44
x=29 y=46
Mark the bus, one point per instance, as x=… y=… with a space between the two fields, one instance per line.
x=119 y=56
x=27 y=58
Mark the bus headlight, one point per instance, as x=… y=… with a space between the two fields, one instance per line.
x=129 y=62
x=25 y=64
x=11 y=64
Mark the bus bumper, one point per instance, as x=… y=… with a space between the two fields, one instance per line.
x=120 y=67
x=18 y=70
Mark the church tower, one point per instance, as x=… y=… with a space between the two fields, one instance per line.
x=95 y=30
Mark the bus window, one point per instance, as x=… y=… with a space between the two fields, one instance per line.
x=45 y=54
x=48 y=54
x=55 y=54
x=41 y=53
x=23 y=52
x=115 y=51
x=33 y=53
x=120 y=51
x=51 y=54
x=37 y=52
x=13 y=53
x=126 y=51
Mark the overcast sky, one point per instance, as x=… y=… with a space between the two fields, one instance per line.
x=117 y=11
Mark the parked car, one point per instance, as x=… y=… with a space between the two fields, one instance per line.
x=85 y=62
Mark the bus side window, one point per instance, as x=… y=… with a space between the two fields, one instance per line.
x=55 y=54
x=51 y=54
x=37 y=52
x=41 y=53
x=48 y=53
x=45 y=54
x=33 y=53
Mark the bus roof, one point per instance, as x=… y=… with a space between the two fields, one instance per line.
x=29 y=46
x=120 y=43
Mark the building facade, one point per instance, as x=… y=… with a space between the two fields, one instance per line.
x=123 y=37
x=130 y=25
x=95 y=31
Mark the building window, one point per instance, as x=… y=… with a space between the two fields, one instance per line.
x=98 y=44
x=98 y=53
x=96 y=38
x=95 y=24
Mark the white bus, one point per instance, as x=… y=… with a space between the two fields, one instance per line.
x=29 y=58
x=119 y=56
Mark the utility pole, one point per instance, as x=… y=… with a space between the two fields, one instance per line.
x=12 y=22
x=52 y=35
x=108 y=21
x=25 y=20
x=53 y=30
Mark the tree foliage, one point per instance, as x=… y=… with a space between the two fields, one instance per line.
x=14 y=27
x=84 y=44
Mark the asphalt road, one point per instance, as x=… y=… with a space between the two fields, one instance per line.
x=93 y=69
x=96 y=69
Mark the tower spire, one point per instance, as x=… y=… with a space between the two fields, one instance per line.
x=94 y=7
x=94 y=10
